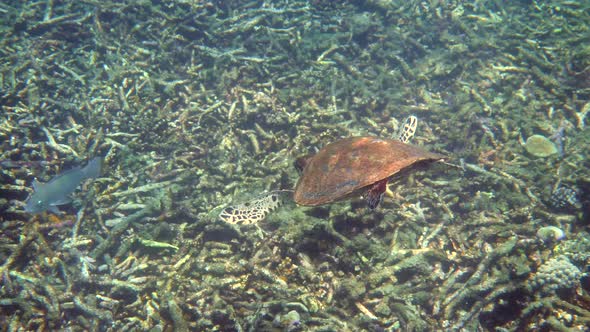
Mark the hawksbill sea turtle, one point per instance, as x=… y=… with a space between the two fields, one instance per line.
x=347 y=167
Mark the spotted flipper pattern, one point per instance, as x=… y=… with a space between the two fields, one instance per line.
x=255 y=210
x=408 y=129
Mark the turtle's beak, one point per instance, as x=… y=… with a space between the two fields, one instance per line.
x=301 y=162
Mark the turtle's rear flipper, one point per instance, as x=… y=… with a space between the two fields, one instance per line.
x=375 y=193
x=255 y=210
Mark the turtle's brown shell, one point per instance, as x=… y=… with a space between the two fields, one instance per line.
x=350 y=164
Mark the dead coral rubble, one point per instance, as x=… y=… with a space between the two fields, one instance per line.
x=196 y=105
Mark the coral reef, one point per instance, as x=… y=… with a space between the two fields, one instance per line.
x=557 y=274
x=197 y=106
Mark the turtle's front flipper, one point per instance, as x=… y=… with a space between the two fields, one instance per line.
x=255 y=210
x=407 y=129
x=375 y=193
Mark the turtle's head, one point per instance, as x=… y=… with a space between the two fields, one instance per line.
x=301 y=162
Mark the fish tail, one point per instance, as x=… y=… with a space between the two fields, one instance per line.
x=92 y=169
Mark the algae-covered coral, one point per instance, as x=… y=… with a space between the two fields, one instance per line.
x=198 y=105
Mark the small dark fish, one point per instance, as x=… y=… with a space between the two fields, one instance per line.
x=48 y=196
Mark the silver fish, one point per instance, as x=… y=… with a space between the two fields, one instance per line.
x=48 y=196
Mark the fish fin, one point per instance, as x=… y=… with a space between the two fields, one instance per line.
x=62 y=201
x=53 y=209
x=92 y=169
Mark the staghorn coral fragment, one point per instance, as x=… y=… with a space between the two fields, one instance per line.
x=142 y=189
x=93 y=311
x=473 y=284
x=494 y=295
x=63 y=148
x=19 y=301
x=181 y=261
x=24 y=242
x=169 y=304
x=124 y=285
x=122 y=225
x=24 y=277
